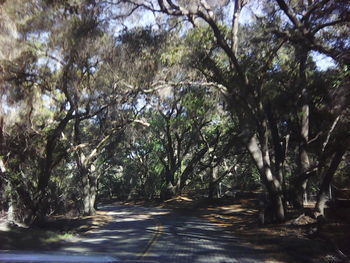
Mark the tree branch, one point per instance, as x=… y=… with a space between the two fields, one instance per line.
x=289 y=13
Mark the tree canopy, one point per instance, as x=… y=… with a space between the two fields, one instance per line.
x=151 y=99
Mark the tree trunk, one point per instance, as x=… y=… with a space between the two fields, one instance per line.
x=89 y=191
x=93 y=191
x=235 y=25
x=304 y=163
x=280 y=152
x=278 y=213
x=85 y=170
x=167 y=192
x=1 y=132
x=190 y=167
x=213 y=174
x=327 y=179
x=10 y=210
x=273 y=186
x=89 y=204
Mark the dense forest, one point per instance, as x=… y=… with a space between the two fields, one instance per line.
x=133 y=99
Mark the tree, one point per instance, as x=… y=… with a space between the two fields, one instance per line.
x=57 y=82
x=176 y=105
x=180 y=139
x=246 y=90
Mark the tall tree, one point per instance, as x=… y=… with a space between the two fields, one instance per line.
x=244 y=79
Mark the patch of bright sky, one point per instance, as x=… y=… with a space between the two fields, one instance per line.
x=42 y=38
x=253 y=8
x=47 y=101
x=137 y=19
x=142 y=103
x=148 y=19
x=53 y=64
x=249 y=12
x=4 y=107
x=323 y=62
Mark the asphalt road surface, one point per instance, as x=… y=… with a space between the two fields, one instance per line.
x=139 y=233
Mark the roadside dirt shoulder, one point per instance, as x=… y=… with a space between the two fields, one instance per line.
x=292 y=241
x=49 y=236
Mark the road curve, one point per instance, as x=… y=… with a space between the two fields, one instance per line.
x=157 y=234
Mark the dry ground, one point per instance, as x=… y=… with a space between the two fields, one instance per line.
x=293 y=241
x=48 y=237
x=298 y=240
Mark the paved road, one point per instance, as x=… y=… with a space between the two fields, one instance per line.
x=157 y=234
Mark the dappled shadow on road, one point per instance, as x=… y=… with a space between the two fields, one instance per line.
x=132 y=232
x=283 y=242
x=156 y=234
x=191 y=239
x=125 y=236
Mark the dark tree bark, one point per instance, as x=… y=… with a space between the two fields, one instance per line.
x=247 y=94
x=238 y=4
x=86 y=178
x=273 y=185
x=40 y=207
x=190 y=167
x=327 y=179
x=213 y=176
x=299 y=193
x=89 y=183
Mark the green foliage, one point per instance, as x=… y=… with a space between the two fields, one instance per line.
x=75 y=114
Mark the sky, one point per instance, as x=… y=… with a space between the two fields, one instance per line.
x=147 y=18
x=323 y=62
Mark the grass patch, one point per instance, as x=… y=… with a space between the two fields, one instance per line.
x=58 y=237
x=52 y=234
x=32 y=239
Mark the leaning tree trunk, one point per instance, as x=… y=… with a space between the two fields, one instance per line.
x=327 y=179
x=190 y=167
x=41 y=205
x=273 y=185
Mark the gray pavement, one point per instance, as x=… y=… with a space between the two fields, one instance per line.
x=157 y=234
